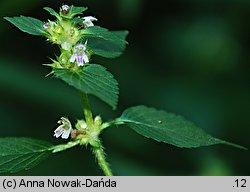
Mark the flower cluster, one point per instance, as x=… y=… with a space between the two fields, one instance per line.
x=81 y=132
x=67 y=31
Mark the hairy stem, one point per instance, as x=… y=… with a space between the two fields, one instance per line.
x=112 y=123
x=100 y=156
x=86 y=110
x=98 y=151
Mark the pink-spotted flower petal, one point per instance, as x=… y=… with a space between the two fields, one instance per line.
x=46 y=26
x=73 y=58
x=79 y=55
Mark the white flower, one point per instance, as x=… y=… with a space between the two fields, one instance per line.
x=64 y=129
x=88 y=21
x=79 y=55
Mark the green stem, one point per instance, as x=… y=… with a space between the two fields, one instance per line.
x=59 y=148
x=98 y=151
x=100 y=156
x=112 y=123
x=86 y=110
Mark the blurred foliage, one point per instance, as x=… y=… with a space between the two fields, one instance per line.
x=187 y=57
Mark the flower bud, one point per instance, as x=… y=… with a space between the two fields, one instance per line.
x=58 y=29
x=46 y=26
x=81 y=124
x=64 y=58
x=65 y=9
x=98 y=120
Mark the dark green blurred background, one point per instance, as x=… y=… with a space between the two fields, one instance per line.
x=188 y=57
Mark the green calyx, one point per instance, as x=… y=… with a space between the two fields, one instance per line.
x=63 y=32
x=83 y=135
x=67 y=32
x=88 y=135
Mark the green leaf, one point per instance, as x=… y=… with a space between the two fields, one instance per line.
x=28 y=24
x=52 y=12
x=21 y=153
x=93 y=79
x=107 y=48
x=104 y=34
x=77 y=10
x=76 y=20
x=168 y=128
x=121 y=34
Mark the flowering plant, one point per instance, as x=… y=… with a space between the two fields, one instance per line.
x=78 y=38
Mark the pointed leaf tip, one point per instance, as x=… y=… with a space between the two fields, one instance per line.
x=52 y=12
x=168 y=127
x=29 y=25
x=107 y=47
x=18 y=154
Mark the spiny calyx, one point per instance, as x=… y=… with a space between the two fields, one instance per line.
x=86 y=135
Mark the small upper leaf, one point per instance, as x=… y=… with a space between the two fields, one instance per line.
x=52 y=12
x=21 y=153
x=168 y=128
x=77 y=10
x=105 y=34
x=107 y=48
x=93 y=79
x=28 y=24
